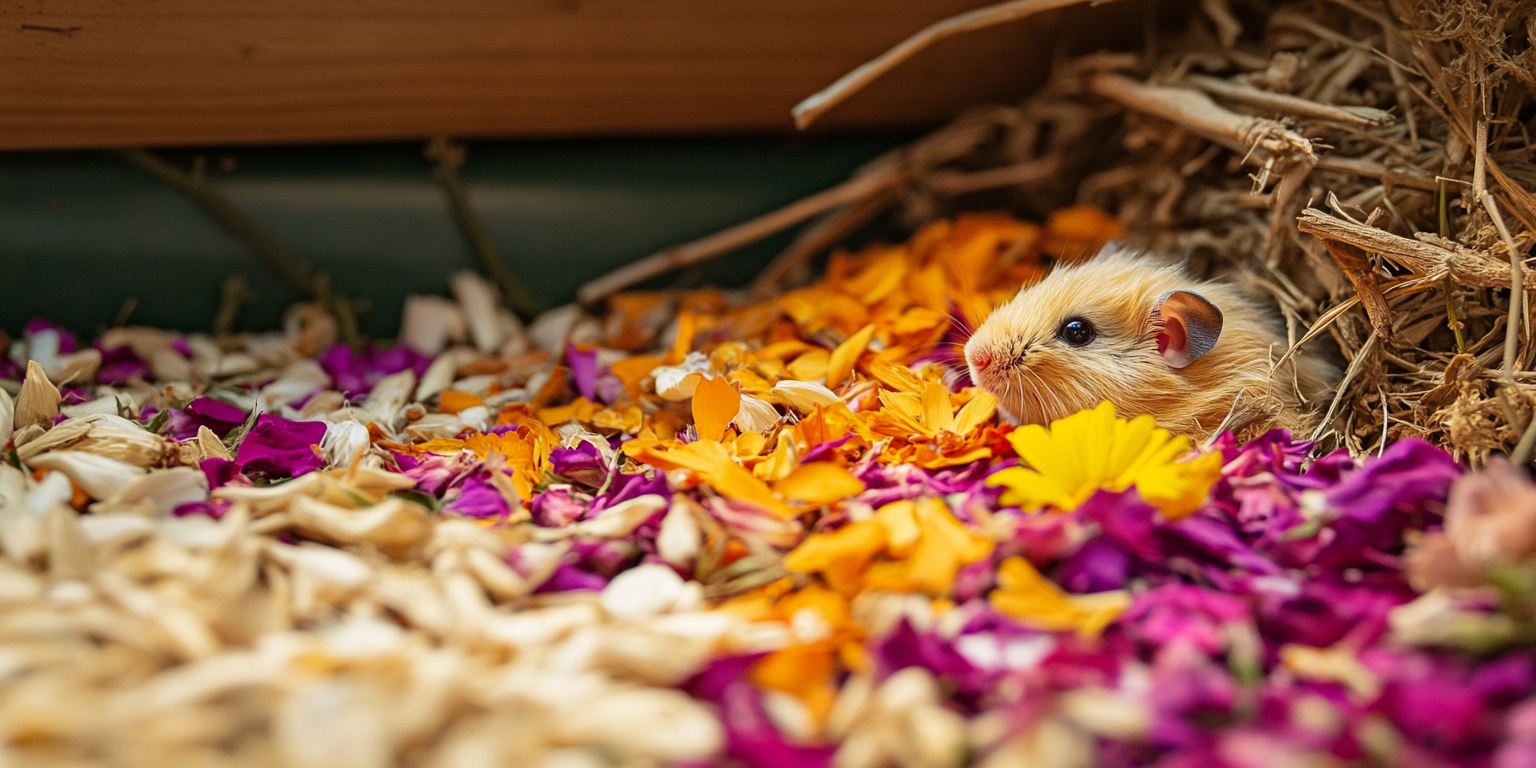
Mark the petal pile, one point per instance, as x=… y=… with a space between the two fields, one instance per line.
x=701 y=530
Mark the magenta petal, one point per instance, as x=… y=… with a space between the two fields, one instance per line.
x=120 y=365
x=278 y=447
x=478 y=498
x=583 y=370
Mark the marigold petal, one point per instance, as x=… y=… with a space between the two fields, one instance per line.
x=1026 y=595
x=452 y=401
x=715 y=405
x=811 y=365
x=975 y=413
x=847 y=353
x=853 y=543
x=938 y=412
x=895 y=376
x=819 y=483
x=900 y=521
x=633 y=370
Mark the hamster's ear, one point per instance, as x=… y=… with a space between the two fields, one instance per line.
x=1190 y=327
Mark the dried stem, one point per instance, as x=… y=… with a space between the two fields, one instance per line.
x=1463 y=265
x=1195 y=111
x=807 y=111
x=447 y=157
x=285 y=265
x=293 y=272
x=735 y=237
x=815 y=239
x=1289 y=105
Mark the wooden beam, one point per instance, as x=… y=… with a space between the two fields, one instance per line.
x=96 y=73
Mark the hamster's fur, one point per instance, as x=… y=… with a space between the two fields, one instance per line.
x=1039 y=377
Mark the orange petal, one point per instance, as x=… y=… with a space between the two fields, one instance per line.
x=895 y=376
x=819 y=483
x=811 y=365
x=687 y=326
x=632 y=370
x=976 y=412
x=454 y=402
x=938 y=412
x=712 y=462
x=1076 y=233
x=846 y=354
x=715 y=403
x=847 y=550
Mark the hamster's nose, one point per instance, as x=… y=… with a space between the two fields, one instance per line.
x=981 y=359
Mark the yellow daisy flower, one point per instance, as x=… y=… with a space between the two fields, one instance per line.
x=1063 y=466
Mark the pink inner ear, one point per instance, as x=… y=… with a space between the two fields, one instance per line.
x=1174 y=340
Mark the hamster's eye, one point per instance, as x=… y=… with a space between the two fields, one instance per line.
x=1076 y=331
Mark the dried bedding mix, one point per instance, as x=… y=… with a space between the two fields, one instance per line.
x=700 y=530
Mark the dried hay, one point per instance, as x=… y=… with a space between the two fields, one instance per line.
x=1367 y=164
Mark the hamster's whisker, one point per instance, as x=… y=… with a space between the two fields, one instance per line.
x=1049 y=399
x=954 y=273
x=1039 y=396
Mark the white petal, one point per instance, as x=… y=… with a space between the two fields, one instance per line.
x=7 y=417
x=678 y=382
x=645 y=590
x=478 y=299
x=678 y=540
x=101 y=477
x=804 y=396
x=344 y=442
x=428 y=323
x=756 y=415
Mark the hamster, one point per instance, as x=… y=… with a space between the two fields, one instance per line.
x=1124 y=327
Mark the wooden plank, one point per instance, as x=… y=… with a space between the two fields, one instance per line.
x=84 y=73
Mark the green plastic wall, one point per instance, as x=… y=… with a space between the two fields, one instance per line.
x=81 y=233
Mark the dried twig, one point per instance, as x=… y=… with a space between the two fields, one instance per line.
x=447 y=157
x=288 y=268
x=1195 y=111
x=820 y=102
x=1289 y=105
x=285 y=265
x=726 y=240
x=1463 y=265
x=818 y=238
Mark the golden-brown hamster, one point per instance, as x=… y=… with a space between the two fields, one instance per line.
x=1197 y=355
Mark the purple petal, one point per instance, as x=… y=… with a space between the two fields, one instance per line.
x=583 y=365
x=278 y=447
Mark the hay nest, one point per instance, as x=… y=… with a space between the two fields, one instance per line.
x=1368 y=164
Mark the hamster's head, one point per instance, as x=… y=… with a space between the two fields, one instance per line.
x=1117 y=328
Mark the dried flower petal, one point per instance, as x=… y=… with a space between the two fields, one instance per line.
x=38 y=403
x=715 y=405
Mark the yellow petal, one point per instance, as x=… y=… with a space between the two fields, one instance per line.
x=811 y=365
x=841 y=555
x=846 y=354
x=749 y=445
x=1026 y=595
x=712 y=462
x=895 y=376
x=1031 y=490
x=819 y=483
x=976 y=412
x=939 y=523
x=687 y=326
x=938 y=411
x=1034 y=445
x=781 y=462
x=900 y=521
x=715 y=404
